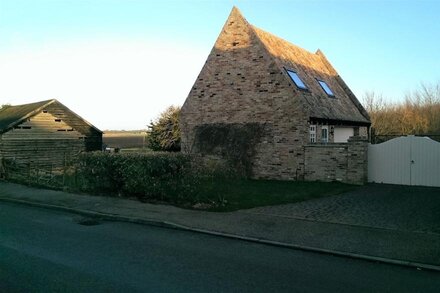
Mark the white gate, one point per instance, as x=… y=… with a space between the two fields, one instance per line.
x=406 y=160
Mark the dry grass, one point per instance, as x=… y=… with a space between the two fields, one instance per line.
x=125 y=139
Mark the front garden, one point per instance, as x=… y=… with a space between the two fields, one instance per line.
x=178 y=179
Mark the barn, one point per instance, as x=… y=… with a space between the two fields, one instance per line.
x=44 y=135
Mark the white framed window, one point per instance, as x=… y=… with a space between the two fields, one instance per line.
x=324 y=133
x=312 y=133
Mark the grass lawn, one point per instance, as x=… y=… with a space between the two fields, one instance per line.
x=244 y=194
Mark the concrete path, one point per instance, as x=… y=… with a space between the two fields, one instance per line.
x=330 y=225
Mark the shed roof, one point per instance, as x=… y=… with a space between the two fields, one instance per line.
x=10 y=116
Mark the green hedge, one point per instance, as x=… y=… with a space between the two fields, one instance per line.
x=162 y=176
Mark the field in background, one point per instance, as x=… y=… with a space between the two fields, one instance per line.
x=125 y=139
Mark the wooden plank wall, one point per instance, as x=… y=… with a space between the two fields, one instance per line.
x=41 y=153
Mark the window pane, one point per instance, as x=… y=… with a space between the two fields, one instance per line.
x=295 y=78
x=312 y=133
x=324 y=134
x=326 y=88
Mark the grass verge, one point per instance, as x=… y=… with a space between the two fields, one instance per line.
x=244 y=194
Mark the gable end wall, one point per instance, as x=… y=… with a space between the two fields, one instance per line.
x=241 y=83
x=93 y=137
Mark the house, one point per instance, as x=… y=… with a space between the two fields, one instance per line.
x=44 y=135
x=266 y=102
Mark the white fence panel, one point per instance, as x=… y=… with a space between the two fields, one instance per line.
x=406 y=160
x=388 y=162
x=425 y=158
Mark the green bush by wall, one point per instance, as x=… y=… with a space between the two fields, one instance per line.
x=162 y=176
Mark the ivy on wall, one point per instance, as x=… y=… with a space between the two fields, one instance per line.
x=234 y=142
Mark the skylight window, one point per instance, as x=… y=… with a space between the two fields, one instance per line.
x=326 y=88
x=295 y=78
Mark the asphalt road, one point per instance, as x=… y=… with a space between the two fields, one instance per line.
x=44 y=251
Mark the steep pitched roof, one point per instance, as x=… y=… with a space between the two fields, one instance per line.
x=10 y=116
x=310 y=67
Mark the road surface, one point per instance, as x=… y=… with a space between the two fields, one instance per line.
x=44 y=250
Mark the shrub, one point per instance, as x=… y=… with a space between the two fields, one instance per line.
x=164 y=133
x=100 y=172
x=162 y=176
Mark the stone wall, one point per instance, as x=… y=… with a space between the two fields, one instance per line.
x=345 y=162
x=357 y=160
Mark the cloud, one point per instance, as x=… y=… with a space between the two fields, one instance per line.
x=114 y=84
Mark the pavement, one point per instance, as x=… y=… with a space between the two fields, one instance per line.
x=383 y=223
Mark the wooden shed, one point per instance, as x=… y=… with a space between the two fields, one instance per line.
x=44 y=135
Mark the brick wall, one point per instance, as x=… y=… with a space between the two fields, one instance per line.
x=345 y=162
x=357 y=160
x=325 y=162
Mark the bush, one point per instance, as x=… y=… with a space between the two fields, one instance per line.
x=100 y=172
x=164 y=133
x=162 y=176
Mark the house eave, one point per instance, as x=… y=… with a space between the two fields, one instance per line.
x=318 y=120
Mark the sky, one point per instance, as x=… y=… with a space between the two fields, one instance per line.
x=120 y=63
